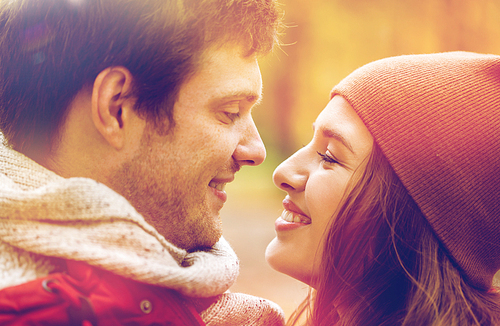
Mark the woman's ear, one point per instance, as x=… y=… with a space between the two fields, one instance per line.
x=112 y=106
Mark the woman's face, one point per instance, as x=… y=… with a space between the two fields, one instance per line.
x=315 y=178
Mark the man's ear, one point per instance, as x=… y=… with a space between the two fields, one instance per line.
x=112 y=107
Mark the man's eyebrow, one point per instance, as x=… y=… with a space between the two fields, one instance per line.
x=329 y=133
x=250 y=97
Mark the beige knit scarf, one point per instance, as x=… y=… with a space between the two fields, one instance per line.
x=44 y=216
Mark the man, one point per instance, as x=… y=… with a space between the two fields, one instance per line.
x=151 y=99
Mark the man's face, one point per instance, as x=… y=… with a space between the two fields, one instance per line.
x=176 y=181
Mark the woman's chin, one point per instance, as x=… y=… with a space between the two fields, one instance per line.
x=279 y=259
x=271 y=255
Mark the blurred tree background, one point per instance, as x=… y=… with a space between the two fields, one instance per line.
x=325 y=41
x=328 y=39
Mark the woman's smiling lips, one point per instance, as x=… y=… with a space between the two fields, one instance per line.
x=291 y=218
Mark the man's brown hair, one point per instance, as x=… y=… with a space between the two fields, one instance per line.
x=52 y=49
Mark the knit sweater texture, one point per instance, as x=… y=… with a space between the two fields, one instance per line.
x=45 y=218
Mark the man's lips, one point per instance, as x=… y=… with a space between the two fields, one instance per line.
x=218 y=185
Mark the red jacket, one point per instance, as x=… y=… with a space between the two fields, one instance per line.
x=84 y=295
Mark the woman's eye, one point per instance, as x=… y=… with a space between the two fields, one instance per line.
x=327 y=158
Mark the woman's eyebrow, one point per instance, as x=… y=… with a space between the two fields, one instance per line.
x=329 y=133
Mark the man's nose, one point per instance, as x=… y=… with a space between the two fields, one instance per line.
x=250 y=150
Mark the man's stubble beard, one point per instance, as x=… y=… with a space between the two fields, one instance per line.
x=167 y=201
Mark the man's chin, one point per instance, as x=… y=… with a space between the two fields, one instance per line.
x=201 y=242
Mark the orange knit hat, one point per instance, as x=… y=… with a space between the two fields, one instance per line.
x=436 y=118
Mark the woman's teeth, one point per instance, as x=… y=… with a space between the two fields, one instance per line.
x=216 y=185
x=294 y=218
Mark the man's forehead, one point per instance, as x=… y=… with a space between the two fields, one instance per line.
x=225 y=75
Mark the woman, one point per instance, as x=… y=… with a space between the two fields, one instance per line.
x=393 y=209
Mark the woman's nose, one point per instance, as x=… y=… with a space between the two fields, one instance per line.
x=291 y=175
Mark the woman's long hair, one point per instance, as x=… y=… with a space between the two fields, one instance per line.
x=383 y=265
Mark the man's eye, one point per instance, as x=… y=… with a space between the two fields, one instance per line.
x=227 y=117
x=229 y=112
x=327 y=158
x=232 y=116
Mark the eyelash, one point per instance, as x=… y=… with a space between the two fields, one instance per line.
x=233 y=116
x=327 y=159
